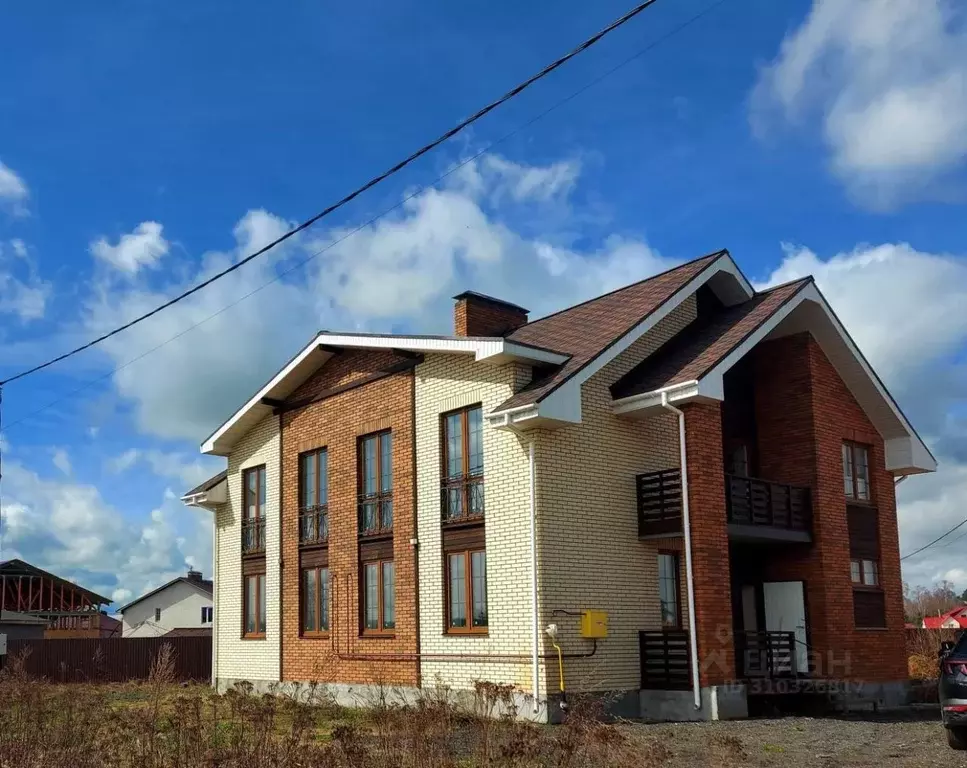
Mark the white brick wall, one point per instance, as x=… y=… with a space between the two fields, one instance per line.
x=239 y=659
x=589 y=553
x=443 y=383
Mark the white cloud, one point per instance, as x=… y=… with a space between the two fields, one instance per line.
x=889 y=80
x=68 y=528
x=188 y=471
x=124 y=461
x=61 y=460
x=144 y=247
x=398 y=272
x=13 y=191
x=25 y=295
x=904 y=308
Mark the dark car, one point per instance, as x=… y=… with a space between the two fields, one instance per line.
x=953 y=691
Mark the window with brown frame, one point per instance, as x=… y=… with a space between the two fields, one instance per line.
x=253 y=505
x=864 y=550
x=375 y=484
x=314 y=497
x=253 y=605
x=378 y=591
x=669 y=592
x=462 y=497
x=315 y=600
x=466 y=591
x=856 y=471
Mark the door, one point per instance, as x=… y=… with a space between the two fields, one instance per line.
x=785 y=611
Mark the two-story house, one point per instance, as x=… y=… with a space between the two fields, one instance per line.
x=686 y=485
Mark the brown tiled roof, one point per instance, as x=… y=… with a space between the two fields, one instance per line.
x=586 y=330
x=703 y=344
x=210 y=483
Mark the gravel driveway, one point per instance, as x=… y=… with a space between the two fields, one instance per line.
x=886 y=741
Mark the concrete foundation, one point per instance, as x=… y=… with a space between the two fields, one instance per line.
x=364 y=695
x=850 y=696
x=719 y=702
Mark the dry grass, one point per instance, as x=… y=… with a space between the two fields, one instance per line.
x=159 y=724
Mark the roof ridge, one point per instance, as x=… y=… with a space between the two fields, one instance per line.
x=713 y=254
x=771 y=288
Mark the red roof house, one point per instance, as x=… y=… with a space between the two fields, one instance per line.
x=953 y=619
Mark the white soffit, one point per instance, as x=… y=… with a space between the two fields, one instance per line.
x=217 y=494
x=494 y=351
x=809 y=311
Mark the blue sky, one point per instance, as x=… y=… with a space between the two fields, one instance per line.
x=145 y=145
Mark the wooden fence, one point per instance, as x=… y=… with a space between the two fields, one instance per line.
x=110 y=660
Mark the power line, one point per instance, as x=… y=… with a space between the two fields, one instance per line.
x=927 y=546
x=355 y=193
x=539 y=116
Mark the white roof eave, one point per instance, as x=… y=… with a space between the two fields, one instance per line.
x=493 y=351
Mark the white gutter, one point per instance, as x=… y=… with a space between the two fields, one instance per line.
x=535 y=669
x=687 y=526
x=215 y=613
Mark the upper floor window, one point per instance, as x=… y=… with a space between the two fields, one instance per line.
x=253 y=504
x=375 y=462
x=314 y=497
x=856 y=471
x=463 y=489
x=207 y=614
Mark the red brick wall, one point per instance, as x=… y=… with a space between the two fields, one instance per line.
x=336 y=423
x=710 y=542
x=475 y=317
x=804 y=413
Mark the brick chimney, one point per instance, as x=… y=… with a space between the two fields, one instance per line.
x=194 y=575
x=477 y=315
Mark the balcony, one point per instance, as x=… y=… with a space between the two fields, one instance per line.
x=659 y=503
x=766 y=655
x=253 y=536
x=375 y=512
x=462 y=499
x=314 y=525
x=766 y=511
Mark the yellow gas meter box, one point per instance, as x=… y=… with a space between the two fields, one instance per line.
x=594 y=624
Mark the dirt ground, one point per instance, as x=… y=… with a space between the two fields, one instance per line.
x=910 y=739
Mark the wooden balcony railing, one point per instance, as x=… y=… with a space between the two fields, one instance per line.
x=749 y=501
x=664 y=660
x=766 y=654
x=659 y=502
x=376 y=514
x=253 y=536
x=462 y=499
x=314 y=525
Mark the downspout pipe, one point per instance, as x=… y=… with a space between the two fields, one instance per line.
x=687 y=526
x=535 y=650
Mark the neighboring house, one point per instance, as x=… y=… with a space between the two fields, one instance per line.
x=418 y=510
x=182 y=603
x=22 y=626
x=953 y=619
x=69 y=610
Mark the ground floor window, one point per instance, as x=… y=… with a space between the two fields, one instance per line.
x=379 y=596
x=668 y=590
x=315 y=600
x=467 y=591
x=253 y=598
